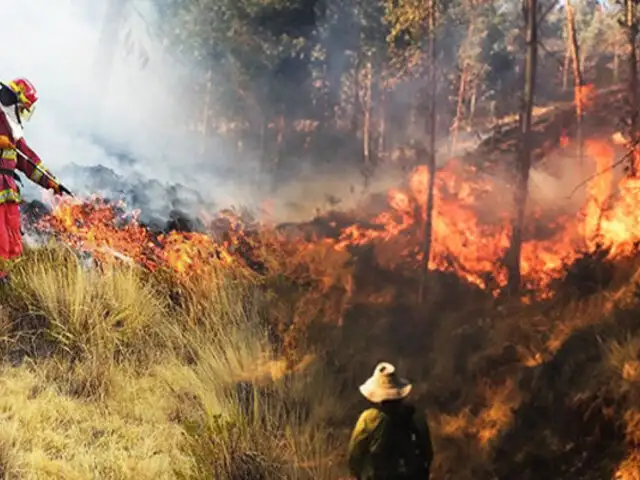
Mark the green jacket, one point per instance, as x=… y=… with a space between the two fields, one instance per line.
x=382 y=435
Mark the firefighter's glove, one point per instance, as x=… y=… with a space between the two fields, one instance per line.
x=62 y=190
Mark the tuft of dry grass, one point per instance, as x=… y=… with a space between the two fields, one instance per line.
x=622 y=359
x=145 y=377
x=112 y=311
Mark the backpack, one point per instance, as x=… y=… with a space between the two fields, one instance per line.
x=397 y=452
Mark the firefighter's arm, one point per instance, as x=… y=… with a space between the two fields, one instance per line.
x=360 y=440
x=33 y=167
x=424 y=437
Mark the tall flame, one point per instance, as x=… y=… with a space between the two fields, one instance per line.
x=474 y=249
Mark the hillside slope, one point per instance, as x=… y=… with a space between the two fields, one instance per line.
x=118 y=373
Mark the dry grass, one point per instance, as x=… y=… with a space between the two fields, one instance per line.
x=128 y=375
x=51 y=435
x=121 y=382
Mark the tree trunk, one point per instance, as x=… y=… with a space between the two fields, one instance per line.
x=616 y=63
x=366 y=123
x=459 y=109
x=431 y=154
x=413 y=121
x=355 y=119
x=382 y=117
x=577 y=75
x=565 y=67
x=632 y=29
x=461 y=94
x=206 y=112
x=474 y=101
x=281 y=126
x=332 y=89
x=524 y=156
x=495 y=119
x=264 y=126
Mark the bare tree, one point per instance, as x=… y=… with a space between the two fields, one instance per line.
x=567 y=59
x=462 y=90
x=578 y=79
x=524 y=155
x=431 y=154
x=631 y=25
x=366 y=121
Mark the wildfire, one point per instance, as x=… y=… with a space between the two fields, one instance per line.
x=470 y=228
x=475 y=249
x=585 y=95
x=107 y=232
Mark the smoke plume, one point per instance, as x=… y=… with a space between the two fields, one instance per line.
x=120 y=131
x=116 y=131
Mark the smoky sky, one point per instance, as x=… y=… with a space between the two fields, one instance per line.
x=135 y=126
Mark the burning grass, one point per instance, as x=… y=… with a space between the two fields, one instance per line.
x=470 y=233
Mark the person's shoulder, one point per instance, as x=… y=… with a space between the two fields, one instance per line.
x=367 y=423
x=371 y=413
x=370 y=417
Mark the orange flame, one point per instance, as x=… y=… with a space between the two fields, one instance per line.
x=475 y=249
x=467 y=237
x=584 y=96
x=96 y=227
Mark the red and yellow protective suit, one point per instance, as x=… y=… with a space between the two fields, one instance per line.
x=10 y=198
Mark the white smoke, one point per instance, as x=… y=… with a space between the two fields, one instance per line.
x=135 y=127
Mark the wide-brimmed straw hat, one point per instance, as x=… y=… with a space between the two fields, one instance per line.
x=385 y=384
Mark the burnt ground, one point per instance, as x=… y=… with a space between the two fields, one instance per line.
x=571 y=425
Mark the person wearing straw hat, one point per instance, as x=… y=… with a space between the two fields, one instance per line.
x=390 y=441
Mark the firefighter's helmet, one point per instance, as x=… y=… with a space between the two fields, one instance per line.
x=26 y=95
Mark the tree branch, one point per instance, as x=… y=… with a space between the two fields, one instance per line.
x=620 y=161
x=552 y=54
x=544 y=15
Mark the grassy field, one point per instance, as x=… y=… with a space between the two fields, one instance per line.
x=114 y=372
x=108 y=374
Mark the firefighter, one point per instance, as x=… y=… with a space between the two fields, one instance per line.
x=17 y=104
x=391 y=441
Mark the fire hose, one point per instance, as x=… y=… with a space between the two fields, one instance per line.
x=5 y=143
